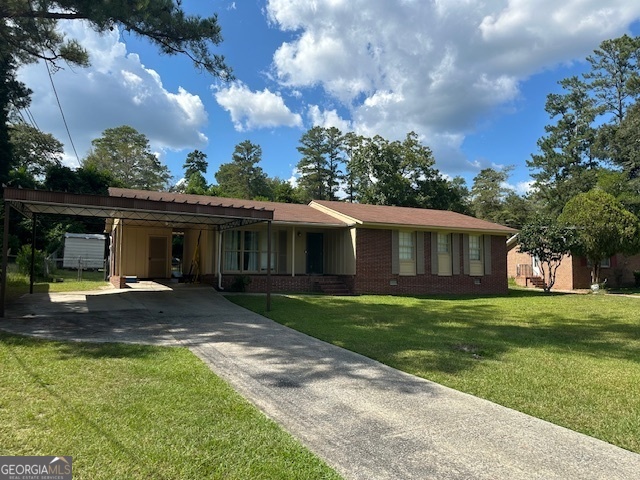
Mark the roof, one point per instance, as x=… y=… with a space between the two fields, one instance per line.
x=282 y=212
x=86 y=236
x=380 y=215
x=135 y=210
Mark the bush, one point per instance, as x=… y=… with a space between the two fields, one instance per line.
x=23 y=260
x=240 y=283
x=636 y=275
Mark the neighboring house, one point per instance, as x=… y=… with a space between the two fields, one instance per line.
x=334 y=247
x=573 y=273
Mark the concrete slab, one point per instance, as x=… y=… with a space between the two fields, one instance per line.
x=364 y=418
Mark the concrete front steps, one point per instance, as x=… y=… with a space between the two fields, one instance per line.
x=331 y=285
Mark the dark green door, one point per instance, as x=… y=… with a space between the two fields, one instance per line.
x=315 y=253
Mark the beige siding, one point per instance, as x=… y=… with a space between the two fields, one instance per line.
x=339 y=252
x=135 y=250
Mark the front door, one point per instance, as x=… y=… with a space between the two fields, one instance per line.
x=315 y=253
x=158 y=257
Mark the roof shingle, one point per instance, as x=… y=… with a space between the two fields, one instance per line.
x=411 y=217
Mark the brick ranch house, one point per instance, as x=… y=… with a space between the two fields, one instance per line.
x=334 y=247
x=573 y=273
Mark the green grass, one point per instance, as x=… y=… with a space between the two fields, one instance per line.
x=18 y=283
x=573 y=360
x=138 y=412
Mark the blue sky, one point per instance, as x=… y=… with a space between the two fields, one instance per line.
x=470 y=77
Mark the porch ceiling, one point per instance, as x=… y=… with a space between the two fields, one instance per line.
x=135 y=211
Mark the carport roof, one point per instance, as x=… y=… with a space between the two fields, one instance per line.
x=136 y=209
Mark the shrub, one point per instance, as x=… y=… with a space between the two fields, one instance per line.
x=23 y=260
x=240 y=283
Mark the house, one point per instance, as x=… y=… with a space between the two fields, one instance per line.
x=334 y=247
x=574 y=273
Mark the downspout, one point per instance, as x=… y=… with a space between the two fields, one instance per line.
x=33 y=254
x=220 y=260
x=293 y=251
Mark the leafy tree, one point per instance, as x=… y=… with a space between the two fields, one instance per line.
x=33 y=150
x=242 y=177
x=125 y=154
x=548 y=242
x=282 y=191
x=196 y=185
x=566 y=164
x=602 y=228
x=29 y=33
x=625 y=190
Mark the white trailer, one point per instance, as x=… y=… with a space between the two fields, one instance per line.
x=83 y=250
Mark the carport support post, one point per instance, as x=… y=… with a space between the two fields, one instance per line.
x=268 y=266
x=33 y=253
x=5 y=257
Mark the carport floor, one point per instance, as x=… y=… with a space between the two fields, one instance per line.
x=367 y=420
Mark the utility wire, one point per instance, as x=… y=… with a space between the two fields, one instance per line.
x=64 y=120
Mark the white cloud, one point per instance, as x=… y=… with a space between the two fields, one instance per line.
x=327 y=119
x=525 y=187
x=115 y=90
x=433 y=67
x=251 y=110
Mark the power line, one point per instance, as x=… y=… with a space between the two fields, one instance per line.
x=64 y=120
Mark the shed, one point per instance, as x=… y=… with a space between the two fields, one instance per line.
x=83 y=250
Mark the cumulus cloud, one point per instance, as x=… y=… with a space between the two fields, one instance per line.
x=117 y=89
x=251 y=110
x=433 y=67
x=327 y=119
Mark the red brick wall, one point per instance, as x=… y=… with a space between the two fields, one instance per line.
x=373 y=269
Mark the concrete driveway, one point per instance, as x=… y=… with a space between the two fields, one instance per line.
x=365 y=419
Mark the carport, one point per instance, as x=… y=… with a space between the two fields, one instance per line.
x=132 y=211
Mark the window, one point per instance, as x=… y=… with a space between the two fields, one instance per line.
x=407 y=252
x=407 y=246
x=476 y=265
x=445 y=266
x=251 y=252
x=474 y=248
x=247 y=251
x=232 y=251
x=443 y=243
x=605 y=263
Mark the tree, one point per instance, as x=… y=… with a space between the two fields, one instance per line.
x=357 y=176
x=242 y=177
x=34 y=150
x=602 y=228
x=615 y=74
x=488 y=193
x=313 y=166
x=195 y=166
x=29 y=33
x=333 y=149
x=124 y=153
x=282 y=191
x=548 y=242
x=566 y=164
x=196 y=162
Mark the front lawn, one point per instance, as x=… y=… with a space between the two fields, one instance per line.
x=138 y=412
x=573 y=360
